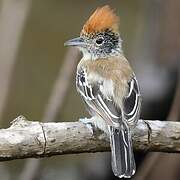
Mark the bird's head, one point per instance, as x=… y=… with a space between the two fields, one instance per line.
x=99 y=37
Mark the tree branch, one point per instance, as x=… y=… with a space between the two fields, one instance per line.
x=33 y=139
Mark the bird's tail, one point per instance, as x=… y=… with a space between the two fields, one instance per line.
x=123 y=163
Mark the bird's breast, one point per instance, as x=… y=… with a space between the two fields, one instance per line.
x=107 y=88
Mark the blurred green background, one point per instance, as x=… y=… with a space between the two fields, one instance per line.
x=32 y=34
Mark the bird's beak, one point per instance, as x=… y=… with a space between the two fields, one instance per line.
x=75 y=42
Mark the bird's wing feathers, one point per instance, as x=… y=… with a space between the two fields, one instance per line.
x=105 y=107
x=95 y=100
x=132 y=102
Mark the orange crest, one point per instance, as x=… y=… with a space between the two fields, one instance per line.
x=103 y=18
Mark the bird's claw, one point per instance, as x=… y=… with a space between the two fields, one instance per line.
x=149 y=131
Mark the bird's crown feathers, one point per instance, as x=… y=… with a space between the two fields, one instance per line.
x=103 y=18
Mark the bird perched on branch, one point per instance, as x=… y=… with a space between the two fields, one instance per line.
x=108 y=86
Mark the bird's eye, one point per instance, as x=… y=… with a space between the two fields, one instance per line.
x=99 y=41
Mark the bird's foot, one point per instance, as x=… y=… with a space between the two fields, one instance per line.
x=88 y=122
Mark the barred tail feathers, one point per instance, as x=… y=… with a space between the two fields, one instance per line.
x=123 y=163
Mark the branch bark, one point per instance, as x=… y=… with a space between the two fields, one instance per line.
x=33 y=139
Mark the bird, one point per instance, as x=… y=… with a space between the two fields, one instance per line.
x=108 y=86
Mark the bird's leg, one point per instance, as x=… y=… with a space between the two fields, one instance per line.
x=149 y=130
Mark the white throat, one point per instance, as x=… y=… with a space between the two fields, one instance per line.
x=86 y=54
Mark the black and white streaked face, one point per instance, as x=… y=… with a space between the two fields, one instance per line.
x=101 y=44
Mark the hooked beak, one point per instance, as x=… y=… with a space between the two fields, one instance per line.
x=75 y=42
